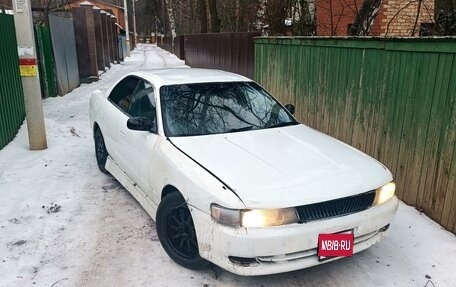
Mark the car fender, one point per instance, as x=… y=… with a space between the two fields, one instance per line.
x=198 y=186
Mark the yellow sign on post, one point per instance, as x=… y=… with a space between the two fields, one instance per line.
x=28 y=71
x=28 y=67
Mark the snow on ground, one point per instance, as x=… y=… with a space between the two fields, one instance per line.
x=64 y=223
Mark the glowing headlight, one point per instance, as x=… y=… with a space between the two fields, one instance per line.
x=384 y=193
x=254 y=217
x=268 y=217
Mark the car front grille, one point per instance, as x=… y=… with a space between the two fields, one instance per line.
x=336 y=207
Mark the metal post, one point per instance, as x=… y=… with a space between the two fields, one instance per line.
x=29 y=72
x=127 y=36
x=134 y=23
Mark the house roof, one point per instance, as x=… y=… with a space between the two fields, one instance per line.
x=93 y=2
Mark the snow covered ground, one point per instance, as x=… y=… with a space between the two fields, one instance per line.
x=64 y=223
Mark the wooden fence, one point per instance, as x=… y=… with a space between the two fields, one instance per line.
x=231 y=52
x=391 y=98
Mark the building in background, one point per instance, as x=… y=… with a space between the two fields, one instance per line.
x=396 y=18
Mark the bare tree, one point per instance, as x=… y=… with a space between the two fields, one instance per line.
x=445 y=17
x=365 y=18
x=215 y=20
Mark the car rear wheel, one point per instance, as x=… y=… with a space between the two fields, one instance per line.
x=100 y=151
x=176 y=232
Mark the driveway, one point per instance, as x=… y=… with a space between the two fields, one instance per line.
x=64 y=223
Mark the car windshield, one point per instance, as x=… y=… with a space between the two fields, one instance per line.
x=213 y=108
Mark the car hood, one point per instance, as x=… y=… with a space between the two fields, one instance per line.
x=282 y=167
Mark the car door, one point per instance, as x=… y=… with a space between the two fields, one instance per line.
x=115 y=119
x=140 y=144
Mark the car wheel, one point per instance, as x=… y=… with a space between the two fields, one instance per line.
x=176 y=232
x=100 y=151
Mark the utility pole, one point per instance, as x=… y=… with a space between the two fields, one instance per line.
x=29 y=73
x=134 y=23
x=127 y=33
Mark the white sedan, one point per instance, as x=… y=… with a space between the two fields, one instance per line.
x=232 y=178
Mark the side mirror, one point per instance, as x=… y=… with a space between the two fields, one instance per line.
x=290 y=108
x=141 y=124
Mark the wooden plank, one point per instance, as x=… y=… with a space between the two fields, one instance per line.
x=357 y=139
x=448 y=214
x=388 y=155
x=421 y=90
x=447 y=142
x=404 y=114
x=433 y=141
x=373 y=100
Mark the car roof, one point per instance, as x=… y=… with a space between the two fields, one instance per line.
x=175 y=76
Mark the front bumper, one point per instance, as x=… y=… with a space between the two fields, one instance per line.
x=289 y=247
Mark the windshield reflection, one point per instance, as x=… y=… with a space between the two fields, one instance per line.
x=211 y=108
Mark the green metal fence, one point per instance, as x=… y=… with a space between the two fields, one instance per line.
x=46 y=61
x=12 y=111
x=392 y=98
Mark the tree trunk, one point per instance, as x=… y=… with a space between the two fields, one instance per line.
x=305 y=26
x=170 y=12
x=276 y=12
x=365 y=17
x=203 y=16
x=237 y=16
x=215 y=20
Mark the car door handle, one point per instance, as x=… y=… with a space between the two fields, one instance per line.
x=122 y=133
x=101 y=115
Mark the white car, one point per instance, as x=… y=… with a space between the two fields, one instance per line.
x=231 y=177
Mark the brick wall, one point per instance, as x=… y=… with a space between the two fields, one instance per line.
x=398 y=17
x=395 y=18
x=334 y=16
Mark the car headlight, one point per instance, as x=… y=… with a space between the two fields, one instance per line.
x=253 y=217
x=384 y=193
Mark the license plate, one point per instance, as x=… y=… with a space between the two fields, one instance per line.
x=335 y=245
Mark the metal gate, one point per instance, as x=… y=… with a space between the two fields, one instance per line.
x=46 y=61
x=66 y=59
x=12 y=110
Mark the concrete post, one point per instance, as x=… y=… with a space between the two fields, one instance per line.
x=127 y=36
x=29 y=72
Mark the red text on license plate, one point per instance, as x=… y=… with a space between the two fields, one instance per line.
x=335 y=245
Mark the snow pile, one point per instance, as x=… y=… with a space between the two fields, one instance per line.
x=64 y=223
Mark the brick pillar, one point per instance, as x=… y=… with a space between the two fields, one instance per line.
x=115 y=39
x=105 y=29
x=99 y=38
x=84 y=30
x=110 y=33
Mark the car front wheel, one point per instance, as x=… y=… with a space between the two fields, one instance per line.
x=176 y=232
x=100 y=150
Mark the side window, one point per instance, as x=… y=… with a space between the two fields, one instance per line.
x=123 y=92
x=143 y=102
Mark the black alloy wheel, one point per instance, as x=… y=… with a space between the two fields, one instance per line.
x=100 y=151
x=176 y=232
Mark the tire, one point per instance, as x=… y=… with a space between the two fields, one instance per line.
x=176 y=232
x=101 y=153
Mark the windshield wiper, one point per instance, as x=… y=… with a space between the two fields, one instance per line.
x=246 y=128
x=284 y=124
